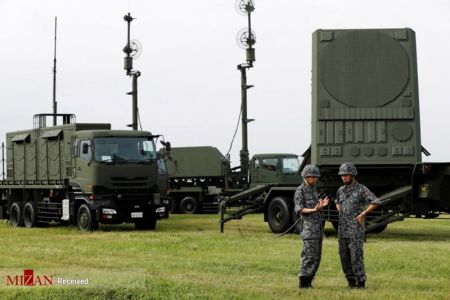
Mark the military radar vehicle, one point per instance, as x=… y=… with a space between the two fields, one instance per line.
x=81 y=174
x=365 y=109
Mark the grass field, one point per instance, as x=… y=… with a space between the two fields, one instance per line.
x=188 y=258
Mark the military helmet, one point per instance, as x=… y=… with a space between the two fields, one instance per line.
x=348 y=168
x=310 y=171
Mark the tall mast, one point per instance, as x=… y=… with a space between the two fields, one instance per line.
x=55 y=104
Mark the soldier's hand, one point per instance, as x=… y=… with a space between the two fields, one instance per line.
x=360 y=218
x=325 y=201
x=317 y=208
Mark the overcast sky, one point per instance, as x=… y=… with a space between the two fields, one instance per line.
x=189 y=90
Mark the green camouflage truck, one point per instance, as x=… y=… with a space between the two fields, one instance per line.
x=199 y=175
x=365 y=109
x=81 y=174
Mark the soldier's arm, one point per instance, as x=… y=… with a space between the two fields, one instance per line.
x=322 y=203
x=307 y=211
x=338 y=205
x=298 y=201
x=373 y=201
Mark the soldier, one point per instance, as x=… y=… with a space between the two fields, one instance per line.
x=351 y=201
x=308 y=205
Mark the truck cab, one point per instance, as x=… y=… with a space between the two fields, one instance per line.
x=118 y=172
x=274 y=168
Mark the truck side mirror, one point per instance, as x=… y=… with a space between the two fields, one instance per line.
x=168 y=146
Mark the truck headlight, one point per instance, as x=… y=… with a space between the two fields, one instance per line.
x=109 y=211
x=160 y=210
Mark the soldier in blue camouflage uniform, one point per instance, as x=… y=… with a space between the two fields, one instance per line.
x=308 y=205
x=351 y=201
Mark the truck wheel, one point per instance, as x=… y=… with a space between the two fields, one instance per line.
x=189 y=205
x=29 y=215
x=85 y=219
x=279 y=215
x=173 y=205
x=15 y=215
x=146 y=224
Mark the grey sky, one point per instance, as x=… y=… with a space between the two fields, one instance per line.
x=189 y=89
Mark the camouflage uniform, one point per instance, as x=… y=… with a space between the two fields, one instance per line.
x=353 y=200
x=312 y=231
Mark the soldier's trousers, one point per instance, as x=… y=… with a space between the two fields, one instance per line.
x=310 y=258
x=351 y=251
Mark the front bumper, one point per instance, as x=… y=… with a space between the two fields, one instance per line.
x=111 y=209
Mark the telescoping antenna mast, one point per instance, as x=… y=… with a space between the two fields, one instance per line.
x=132 y=50
x=246 y=39
x=55 y=104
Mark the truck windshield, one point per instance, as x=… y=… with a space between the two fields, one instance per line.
x=124 y=149
x=290 y=165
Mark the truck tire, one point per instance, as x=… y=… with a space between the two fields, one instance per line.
x=279 y=214
x=173 y=205
x=189 y=205
x=29 y=215
x=146 y=224
x=15 y=215
x=85 y=219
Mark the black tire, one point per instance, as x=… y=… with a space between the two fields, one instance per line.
x=15 y=215
x=173 y=205
x=29 y=215
x=279 y=214
x=189 y=205
x=146 y=224
x=85 y=219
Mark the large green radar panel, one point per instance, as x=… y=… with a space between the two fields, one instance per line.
x=365 y=100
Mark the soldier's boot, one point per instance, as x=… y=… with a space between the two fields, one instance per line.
x=351 y=282
x=304 y=282
x=310 y=279
x=361 y=284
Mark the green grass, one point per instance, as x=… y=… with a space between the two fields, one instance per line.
x=186 y=257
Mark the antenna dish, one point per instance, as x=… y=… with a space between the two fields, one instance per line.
x=244 y=39
x=136 y=49
x=243 y=7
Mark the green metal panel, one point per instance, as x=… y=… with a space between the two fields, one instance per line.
x=202 y=161
x=365 y=101
x=42 y=154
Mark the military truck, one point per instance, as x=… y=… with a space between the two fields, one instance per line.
x=365 y=109
x=199 y=175
x=81 y=174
